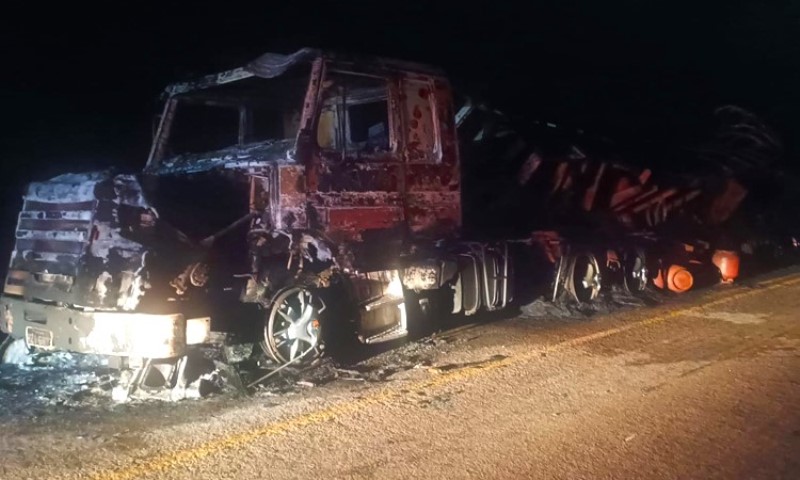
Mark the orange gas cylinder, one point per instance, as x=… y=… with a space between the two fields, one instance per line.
x=727 y=262
x=679 y=279
x=658 y=280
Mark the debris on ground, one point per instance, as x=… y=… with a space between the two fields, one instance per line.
x=30 y=382
x=606 y=302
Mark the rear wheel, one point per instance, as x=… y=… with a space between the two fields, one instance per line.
x=584 y=278
x=293 y=330
x=635 y=271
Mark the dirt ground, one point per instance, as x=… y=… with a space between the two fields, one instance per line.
x=704 y=386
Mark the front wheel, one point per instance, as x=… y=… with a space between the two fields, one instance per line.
x=293 y=330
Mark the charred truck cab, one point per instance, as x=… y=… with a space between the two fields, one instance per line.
x=310 y=191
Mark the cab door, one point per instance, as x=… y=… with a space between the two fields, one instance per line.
x=432 y=175
x=359 y=194
x=360 y=181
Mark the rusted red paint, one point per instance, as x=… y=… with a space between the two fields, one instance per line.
x=292 y=181
x=353 y=219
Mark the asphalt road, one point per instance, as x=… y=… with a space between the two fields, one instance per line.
x=705 y=387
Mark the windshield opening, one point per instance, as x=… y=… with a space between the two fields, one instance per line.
x=247 y=112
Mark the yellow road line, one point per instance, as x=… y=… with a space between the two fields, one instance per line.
x=175 y=459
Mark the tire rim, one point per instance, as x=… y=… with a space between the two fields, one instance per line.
x=636 y=274
x=586 y=278
x=293 y=328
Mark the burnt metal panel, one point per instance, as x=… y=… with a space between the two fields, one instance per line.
x=102 y=333
x=34 y=205
x=434 y=213
x=292 y=197
x=53 y=225
x=78 y=241
x=50 y=246
x=354 y=219
x=271 y=65
x=63 y=265
x=421 y=139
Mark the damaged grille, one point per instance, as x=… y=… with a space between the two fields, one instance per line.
x=51 y=236
x=79 y=242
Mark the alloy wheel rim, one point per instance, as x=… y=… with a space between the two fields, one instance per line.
x=293 y=330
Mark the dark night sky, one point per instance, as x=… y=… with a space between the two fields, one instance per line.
x=79 y=87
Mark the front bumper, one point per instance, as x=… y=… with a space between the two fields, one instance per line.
x=123 y=334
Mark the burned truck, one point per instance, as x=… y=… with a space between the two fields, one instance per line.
x=297 y=194
x=315 y=194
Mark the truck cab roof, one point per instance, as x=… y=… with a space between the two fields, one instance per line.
x=270 y=65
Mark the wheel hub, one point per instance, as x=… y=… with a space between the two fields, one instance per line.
x=293 y=328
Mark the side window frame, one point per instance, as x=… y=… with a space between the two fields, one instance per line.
x=341 y=140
